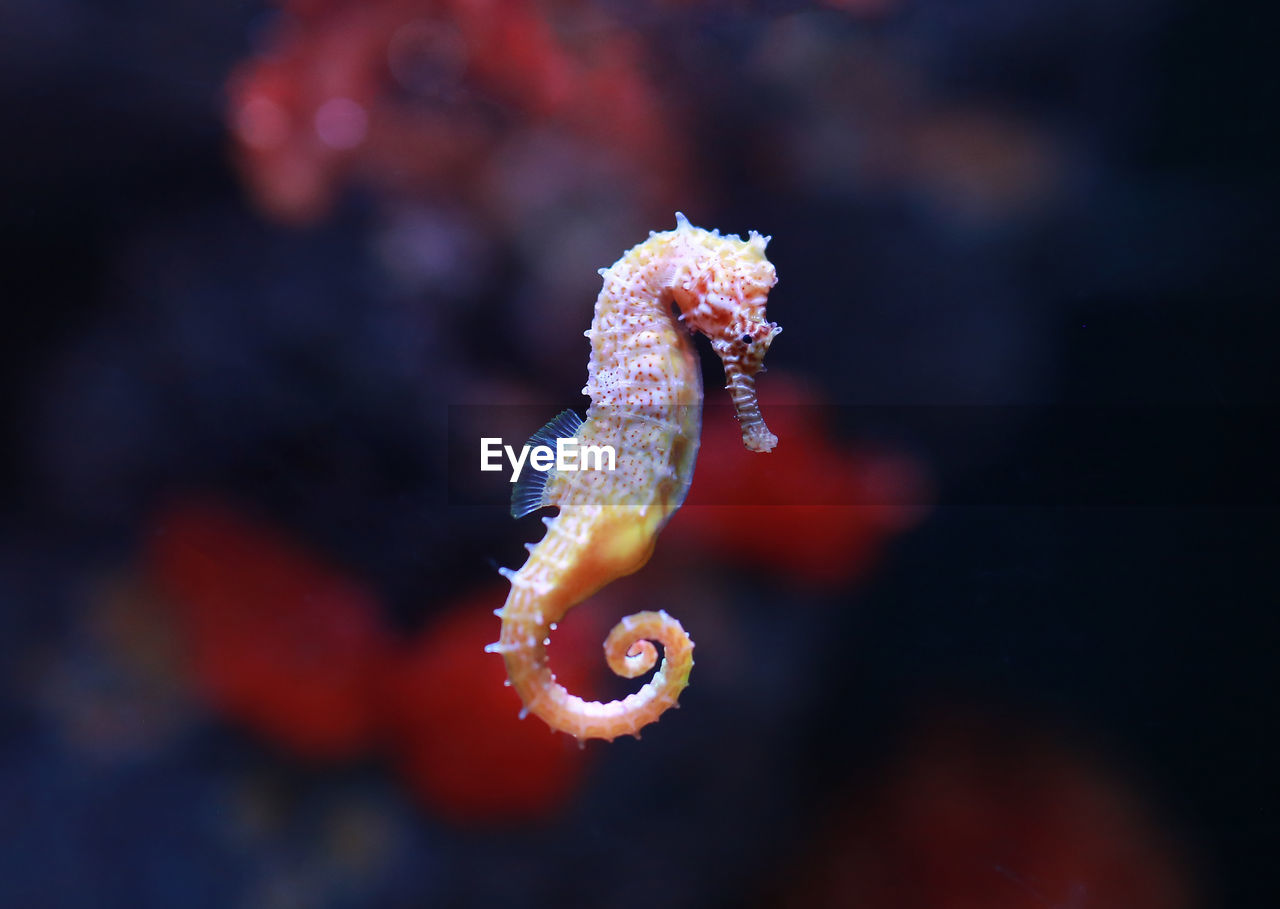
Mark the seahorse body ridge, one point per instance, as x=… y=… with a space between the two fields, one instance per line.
x=646 y=403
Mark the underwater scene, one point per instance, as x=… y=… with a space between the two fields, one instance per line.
x=668 y=453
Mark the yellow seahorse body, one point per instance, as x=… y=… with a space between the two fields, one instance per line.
x=646 y=402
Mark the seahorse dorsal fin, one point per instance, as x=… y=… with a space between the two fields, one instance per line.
x=530 y=492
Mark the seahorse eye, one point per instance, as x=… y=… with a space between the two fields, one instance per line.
x=746 y=339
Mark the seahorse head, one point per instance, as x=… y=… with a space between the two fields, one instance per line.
x=721 y=285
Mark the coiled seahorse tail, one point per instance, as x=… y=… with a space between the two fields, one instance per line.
x=646 y=405
x=629 y=653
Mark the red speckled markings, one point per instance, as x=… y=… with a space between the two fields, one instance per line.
x=646 y=402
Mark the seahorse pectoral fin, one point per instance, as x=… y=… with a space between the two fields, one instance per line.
x=530 y=492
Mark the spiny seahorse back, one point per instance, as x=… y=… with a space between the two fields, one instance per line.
x=721 y=288
x=646 y=402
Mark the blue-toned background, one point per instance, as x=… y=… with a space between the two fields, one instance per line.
x=263 y=255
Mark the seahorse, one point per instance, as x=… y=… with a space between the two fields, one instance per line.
x=646 y=402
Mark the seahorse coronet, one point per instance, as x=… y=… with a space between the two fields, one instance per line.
x=646 y=401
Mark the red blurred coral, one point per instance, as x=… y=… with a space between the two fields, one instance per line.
x=296 y=651
x=293 y=648
x=812 y=509
x=417 y=96
x=456 y=726
x=279 y=640
x=980 y=815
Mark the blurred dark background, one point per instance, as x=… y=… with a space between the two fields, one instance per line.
x=264 y=258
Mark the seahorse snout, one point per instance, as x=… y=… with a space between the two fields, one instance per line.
x=742 y=350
